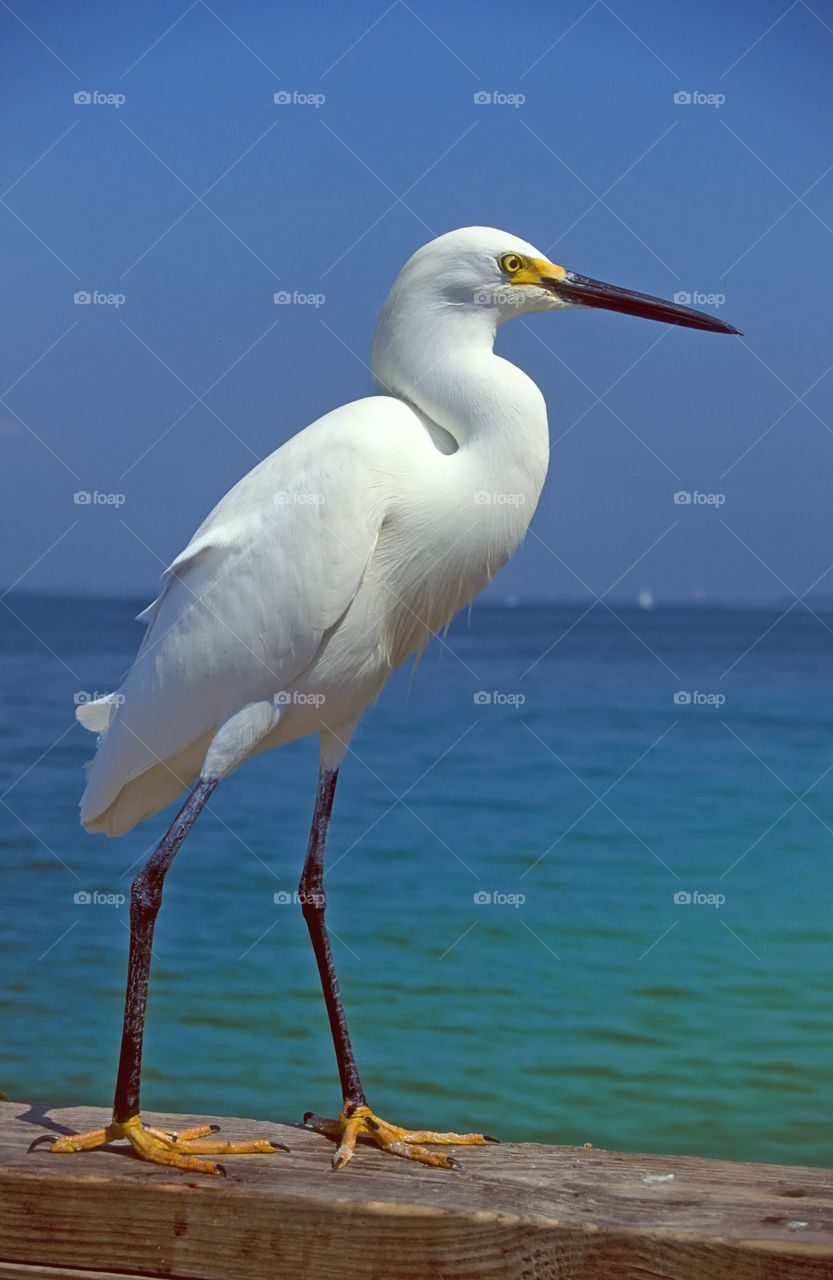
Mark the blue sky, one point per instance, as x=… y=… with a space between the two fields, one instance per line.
x=198 y=197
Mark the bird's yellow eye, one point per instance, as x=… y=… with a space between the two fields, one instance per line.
x=512 y=263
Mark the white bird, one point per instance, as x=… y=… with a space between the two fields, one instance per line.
x=314 y=578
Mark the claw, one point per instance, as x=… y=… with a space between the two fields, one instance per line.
x=45 y=1137
x=357 y=1123
x=159 y=1146
x=278 y=1146
x=489 y=1138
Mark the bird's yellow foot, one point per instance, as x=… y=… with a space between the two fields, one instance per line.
x=180 y=1150
x=359 y=1122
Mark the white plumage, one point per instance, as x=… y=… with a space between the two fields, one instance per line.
x=337 y=556
x=340 y=554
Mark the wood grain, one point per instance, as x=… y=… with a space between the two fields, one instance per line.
x=517 y=1212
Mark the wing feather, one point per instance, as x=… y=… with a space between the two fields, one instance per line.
x=244 y=607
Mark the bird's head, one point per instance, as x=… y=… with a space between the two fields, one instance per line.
x=481 y=269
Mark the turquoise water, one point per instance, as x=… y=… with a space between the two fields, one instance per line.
x=580 y=1004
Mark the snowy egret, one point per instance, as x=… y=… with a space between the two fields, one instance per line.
x=318 y=574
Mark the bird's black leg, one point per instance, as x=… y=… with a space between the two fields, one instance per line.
x=184 y=1150
x=356 y=1119
x=313 y=905
x=145 y=900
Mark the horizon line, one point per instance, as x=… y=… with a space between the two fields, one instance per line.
x=507 y=603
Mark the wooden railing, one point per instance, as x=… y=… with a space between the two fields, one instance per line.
x=516 y=1212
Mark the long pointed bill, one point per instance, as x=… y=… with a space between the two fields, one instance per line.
x=581 y=291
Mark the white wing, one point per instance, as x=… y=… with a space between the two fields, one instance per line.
x=243 y=609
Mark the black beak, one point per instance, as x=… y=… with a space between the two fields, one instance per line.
x=581 y=291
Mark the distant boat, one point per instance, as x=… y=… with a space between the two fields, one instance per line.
x=646 y=600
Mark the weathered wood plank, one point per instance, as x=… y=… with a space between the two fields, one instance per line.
x=519 y=1212
x=22 y=1271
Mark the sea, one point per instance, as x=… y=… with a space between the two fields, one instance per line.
x=580 y=887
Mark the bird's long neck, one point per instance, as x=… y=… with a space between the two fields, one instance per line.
x=441 y=360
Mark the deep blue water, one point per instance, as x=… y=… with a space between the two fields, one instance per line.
x=582 y=1003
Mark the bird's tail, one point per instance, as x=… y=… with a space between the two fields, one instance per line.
x=97 y=714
